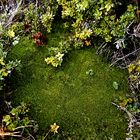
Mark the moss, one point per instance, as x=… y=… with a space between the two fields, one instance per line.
x=79 y=103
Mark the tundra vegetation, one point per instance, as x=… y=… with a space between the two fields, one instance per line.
x=66 y=65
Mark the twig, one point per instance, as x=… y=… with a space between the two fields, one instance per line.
x=132 y=119
x=100 y=49
x=128 y=27
x=124 y=109
x=13 y=14
x=124 y=59
x=23 y=127
x=125 y=56
x=31 y=136
x=46 y=135
x=13 y=134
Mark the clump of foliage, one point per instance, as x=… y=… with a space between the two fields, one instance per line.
x=57 y=53
x=13 y=25
x=131 y=105
x=97 y=18
x=40 y=15
x=91 y=19
x=85 y=19
x=17 y=123
x=134 y=75
x=6 y=67
x=55 y=60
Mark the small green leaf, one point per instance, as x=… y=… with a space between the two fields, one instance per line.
x=115 y=85
x=14 y=111
x=11 y=127
x=7 y=119
x=90 y=72
x=26 y=121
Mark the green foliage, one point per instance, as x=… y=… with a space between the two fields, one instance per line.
x=47 y=19
x=87 y=19
x=17 y=117
x=84 y=19
x=57 y=53
x=97 y=18
x=17 y=123
x=109 y=27
x=115 y=85
x=41 y=16
x=83 y=101
x=90 y=72
x=6 y=67
x=55 y=60
x=31 y=16
x=126 y=102
x=134 y=75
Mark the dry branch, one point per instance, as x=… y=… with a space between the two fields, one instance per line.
x=124 y=57
x=13 y=14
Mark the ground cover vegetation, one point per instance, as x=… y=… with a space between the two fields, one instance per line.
x=31 y=38
x=64 y=95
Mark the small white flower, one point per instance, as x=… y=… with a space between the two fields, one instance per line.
x=117 y=46
x=15 y=42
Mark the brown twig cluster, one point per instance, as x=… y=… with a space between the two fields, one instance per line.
x=4 y=133
x=128 y=52
x=133 y=121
